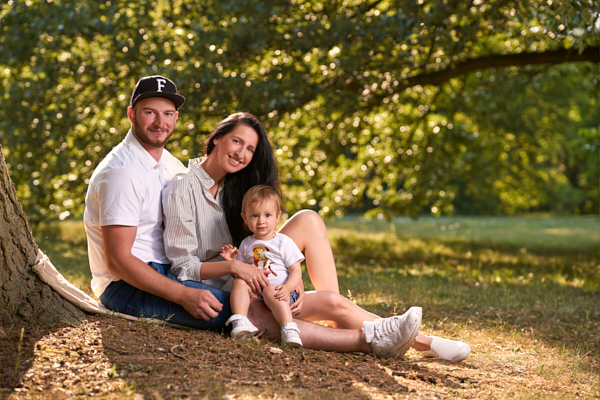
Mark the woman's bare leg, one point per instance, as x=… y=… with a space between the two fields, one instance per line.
x=308 y=231
x=326 y=305
x=422 y=342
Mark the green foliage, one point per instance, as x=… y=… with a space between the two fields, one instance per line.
x=332 y=83
x=533 y=142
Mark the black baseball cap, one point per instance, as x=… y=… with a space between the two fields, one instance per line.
x=156 y=86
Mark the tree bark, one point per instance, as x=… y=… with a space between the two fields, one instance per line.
x=24 y=297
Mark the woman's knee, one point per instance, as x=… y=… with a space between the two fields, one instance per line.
x=310 y=218
x=304 y=227
x=334 y=301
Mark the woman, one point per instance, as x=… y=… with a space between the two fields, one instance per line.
x=202 y=210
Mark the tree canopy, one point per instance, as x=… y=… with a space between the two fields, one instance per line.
x=395 y=107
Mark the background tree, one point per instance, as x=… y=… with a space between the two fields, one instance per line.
x=24 y=297
x=396 y=107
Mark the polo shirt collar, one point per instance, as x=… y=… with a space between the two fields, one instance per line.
x=147 y=161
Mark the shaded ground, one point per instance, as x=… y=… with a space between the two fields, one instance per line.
x=115 y=358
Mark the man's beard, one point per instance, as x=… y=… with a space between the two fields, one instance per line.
x=142 y=135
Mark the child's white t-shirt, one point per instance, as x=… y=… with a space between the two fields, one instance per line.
x=276 y=255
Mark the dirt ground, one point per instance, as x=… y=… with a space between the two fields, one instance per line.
x=110 y=357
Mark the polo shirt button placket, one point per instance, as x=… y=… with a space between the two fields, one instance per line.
x=162 y=171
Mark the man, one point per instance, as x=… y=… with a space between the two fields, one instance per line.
x=124 y=225
x=123 y=216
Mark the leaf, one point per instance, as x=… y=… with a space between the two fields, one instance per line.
x=274 y=350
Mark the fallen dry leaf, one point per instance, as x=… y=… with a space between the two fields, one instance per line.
x=287 y=378
x=274 y=350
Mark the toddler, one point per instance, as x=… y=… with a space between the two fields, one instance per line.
x=273 y=252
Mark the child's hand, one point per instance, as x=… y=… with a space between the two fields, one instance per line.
x=282 y=293
x=228 y=252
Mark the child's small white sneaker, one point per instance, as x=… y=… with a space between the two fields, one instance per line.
x=449 y=350
x=290 y=335
x=242 y=327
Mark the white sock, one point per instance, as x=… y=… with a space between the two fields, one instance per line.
x=446 y=349
x=369 y=331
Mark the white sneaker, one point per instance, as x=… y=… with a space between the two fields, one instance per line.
x=242 y=326
x=393 y=336
x=290 y=335
x=449 y=350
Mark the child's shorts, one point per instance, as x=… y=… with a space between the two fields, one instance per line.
x=293 y=298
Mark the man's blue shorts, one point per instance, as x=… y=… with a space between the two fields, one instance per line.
x=121 y=297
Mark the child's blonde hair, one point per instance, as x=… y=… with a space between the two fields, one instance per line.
x=259 y=194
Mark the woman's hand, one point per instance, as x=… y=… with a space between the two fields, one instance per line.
x=256 y=278
x=297 y=306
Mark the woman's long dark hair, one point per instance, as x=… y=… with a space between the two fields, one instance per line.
x=262 y=170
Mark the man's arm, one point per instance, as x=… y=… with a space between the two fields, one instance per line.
x=313 y=336
x=118 y=241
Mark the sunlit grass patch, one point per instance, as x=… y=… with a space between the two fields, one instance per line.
x=569 y=233
x=65 y=243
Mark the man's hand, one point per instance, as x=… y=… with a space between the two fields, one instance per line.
x=228 y=252
x=201 y=304
x=282 y=293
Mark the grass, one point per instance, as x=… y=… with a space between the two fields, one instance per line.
x=517 y=272
x=568 y=233
x=65 y=243
x=524 y=292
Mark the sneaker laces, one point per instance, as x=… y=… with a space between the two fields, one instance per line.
x=244 y=322
x=385 y=326
x=233 y=318
x=289 y=327
x=239 y=320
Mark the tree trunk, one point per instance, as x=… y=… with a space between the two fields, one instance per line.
x=24 y=297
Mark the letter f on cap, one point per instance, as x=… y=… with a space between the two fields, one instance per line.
x=161 y=84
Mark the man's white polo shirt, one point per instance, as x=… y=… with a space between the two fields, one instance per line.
x=125 y=189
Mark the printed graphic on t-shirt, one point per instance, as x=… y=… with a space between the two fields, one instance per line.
x=259 y=254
